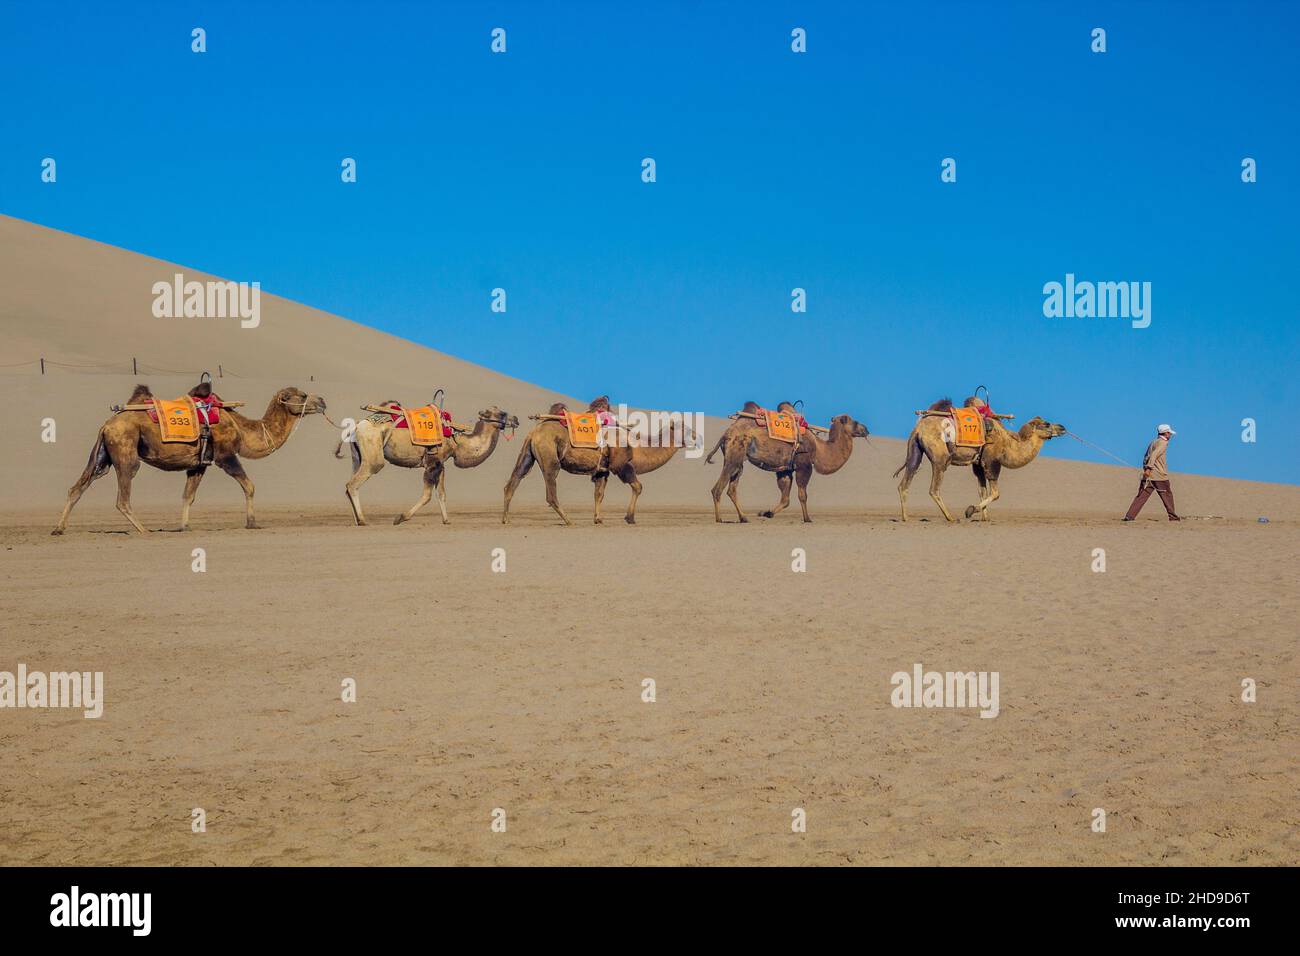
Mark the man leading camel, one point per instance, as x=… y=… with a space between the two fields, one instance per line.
x=1155 y=476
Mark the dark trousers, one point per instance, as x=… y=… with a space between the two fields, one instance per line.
x=1144 y=492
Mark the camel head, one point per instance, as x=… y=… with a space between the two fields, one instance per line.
x=298 y=402
x=855 y=429
x=1038 y=427
x=495 y=416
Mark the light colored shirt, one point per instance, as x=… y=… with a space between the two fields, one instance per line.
x=1154 y=462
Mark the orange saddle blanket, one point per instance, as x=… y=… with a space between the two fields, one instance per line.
x=968 y=426
x=782 y=426
x=584 y=429
x=425 y=425
x=178 y=419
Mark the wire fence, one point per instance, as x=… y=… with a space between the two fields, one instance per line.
x=130 y=366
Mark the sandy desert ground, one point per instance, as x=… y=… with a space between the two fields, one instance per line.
x=522 y=690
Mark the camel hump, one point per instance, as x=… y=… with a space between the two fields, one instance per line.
x=201 y=390
x=140 y=395
x=751 y=407
x=942 y=405
x=557 y=409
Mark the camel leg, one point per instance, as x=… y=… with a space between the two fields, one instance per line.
x=126 y=468
x=733 y=463
x=523 y=465
x=192 y=479
x=718 y=486
x=97 y=467
x=801 y=479
x=915 y=451
x=783 y=480
x=988 y=490
x=234 y=469
x=599 y=482
x=367 y=461
x=982 y=478
x=908 y=475
x=442 y=492
x=549 y=470
x=429 y=483
x=936 y=479
x=629 y=478
x=733 y=492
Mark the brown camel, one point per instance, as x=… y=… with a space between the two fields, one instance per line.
x=931 y=438
x=129 y=438
x=548 y=445
x=378 y=440
x=747 y=440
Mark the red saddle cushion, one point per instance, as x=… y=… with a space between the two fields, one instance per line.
x=209 y=410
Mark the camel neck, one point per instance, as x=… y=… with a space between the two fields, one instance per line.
x=1019 y=451
x=266 y=434
x=832 y=454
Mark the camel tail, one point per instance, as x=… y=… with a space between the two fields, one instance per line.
x=914 y=455
x=524 y=463
x=716 y=446
x=98 y=463
x=356 y=452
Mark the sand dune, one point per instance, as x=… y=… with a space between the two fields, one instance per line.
x=1121 y=689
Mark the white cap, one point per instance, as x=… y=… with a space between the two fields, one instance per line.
x=1165 y=430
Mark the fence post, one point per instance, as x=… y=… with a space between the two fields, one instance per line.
x=42 y=364
x=135 y=369
x=220 y=374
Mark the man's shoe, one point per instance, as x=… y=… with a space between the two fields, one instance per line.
x=1125 y=519
x=1175 y=519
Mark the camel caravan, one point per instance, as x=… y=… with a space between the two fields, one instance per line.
x=199 y=430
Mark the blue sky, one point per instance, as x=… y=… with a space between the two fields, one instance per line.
x=775 y=170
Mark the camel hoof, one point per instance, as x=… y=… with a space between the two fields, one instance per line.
x=629 y=519
x=970 y=510
x=399 y=519
x=57 y=531
x=744 y=520
x=807 y=520
x=765 y=514
x=598 y=521
x=252 y=526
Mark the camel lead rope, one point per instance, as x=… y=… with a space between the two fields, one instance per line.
x=1099 y=448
